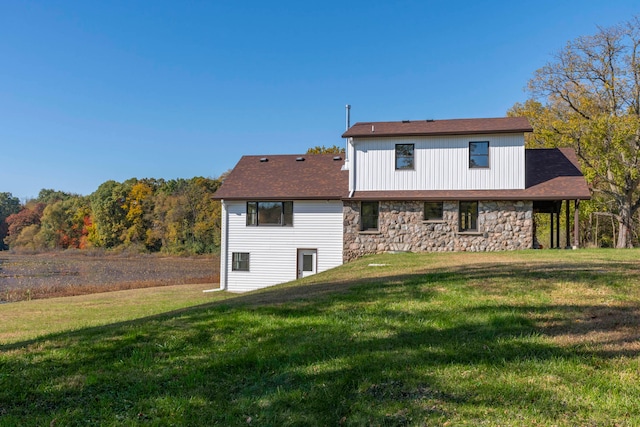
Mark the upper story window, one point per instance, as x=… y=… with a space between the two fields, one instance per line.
x=369 y=216
x=468 y=220
x=433 y=211
x=479 y=154
x=404 y=156
x=270 y=213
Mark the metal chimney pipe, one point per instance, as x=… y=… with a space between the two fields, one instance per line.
x=348 y=107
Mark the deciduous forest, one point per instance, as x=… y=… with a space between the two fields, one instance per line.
x=176 y=216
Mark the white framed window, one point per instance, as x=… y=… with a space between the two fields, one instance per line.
x=240 y=261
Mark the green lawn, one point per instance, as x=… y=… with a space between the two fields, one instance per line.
x=520 y=338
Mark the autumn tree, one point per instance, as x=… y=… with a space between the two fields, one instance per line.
x=63 y=223
x=138 y=206
x=28 y=217
x=334 y=149
x=588 y=97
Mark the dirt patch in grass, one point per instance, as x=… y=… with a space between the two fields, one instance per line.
x=24 y=277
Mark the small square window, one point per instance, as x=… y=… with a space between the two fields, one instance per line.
x=479 y=154
x=404 y=156
x=433 y=211
x=240 y=261
x=468 y=216
x=369 y=216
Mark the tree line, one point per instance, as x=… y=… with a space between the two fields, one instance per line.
x=175 y=216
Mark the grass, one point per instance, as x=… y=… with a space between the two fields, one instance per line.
x=523 y=338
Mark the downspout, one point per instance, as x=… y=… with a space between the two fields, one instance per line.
x=224 y=247
x=352 y=167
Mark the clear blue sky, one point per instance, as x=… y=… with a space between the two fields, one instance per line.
x=92 y=91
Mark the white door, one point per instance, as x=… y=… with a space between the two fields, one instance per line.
x=306 y=262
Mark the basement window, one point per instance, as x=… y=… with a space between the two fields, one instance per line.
x=369 y=216
x=468 y=216
x=240 y=261
x=270 y=213
x=433 y=211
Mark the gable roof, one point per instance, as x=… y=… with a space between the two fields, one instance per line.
x=550 y=174
x=282 y=177
x=439 y=127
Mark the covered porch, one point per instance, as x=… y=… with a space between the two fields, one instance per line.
x=571 y=220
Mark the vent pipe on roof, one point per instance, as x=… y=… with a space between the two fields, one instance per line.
x=348 y=107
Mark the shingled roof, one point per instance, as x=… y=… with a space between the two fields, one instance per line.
x=286 y=177
x=551 y=174
x=439 y=127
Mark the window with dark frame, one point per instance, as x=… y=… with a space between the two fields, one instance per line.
x=240 y=261
x=433 y=211
x=270 y=213
x=404 y=156
x=479 y=154
x=369 y=216
x=468 y=220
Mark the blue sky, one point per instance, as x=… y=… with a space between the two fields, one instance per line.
x=92 y=91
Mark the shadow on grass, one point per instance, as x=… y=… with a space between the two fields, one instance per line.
x=368 y=351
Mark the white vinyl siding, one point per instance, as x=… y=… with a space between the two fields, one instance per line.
x=273 y=250
x=441 y=163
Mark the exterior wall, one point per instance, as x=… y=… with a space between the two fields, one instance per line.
x=502 y=225
x=273 y=249
x=441 y=163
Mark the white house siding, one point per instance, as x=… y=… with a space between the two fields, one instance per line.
x=273 y=249
x=441 y=163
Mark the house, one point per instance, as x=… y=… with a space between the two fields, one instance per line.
x=431 y=185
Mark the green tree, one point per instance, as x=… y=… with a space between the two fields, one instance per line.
x=8 y=205
x=186 y=219
x=588 y=97
x=109 y=214
x=49 y=196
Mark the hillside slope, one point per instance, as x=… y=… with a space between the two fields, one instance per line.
x=524 y=338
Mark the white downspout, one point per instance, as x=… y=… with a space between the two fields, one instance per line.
x=352 y=166
x=224 y=246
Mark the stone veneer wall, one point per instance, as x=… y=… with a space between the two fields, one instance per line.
x=502 y=225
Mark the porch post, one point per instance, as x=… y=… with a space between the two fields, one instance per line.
x=567 y=225
x=576 y=228
x=558 y=208
x=551 y=237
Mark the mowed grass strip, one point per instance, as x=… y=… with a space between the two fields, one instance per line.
x=524 y=338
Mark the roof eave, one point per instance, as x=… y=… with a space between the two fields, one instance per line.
x=446 y=133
